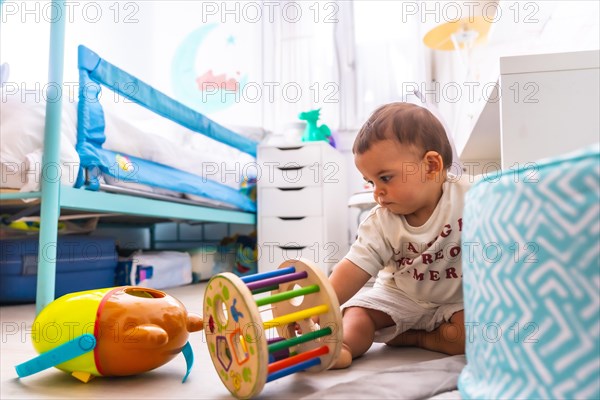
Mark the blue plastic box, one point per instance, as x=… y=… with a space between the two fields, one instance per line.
x=82 y=263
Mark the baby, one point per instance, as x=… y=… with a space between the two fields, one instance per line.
x=411 y=240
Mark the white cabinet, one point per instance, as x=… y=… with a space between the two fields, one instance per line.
x=549 y=105
x=480 y=153
x=302 y=205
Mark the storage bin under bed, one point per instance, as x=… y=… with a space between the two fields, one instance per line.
x=82 y=263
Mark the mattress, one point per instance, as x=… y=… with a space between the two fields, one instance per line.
x=531 y=265
x=147 y=136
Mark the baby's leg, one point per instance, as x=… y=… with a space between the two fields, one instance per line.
x=360 y=325
x=448 y=338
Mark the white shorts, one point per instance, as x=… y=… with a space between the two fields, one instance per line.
x=406 y=313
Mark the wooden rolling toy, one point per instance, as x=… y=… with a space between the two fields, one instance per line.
x=246 y=351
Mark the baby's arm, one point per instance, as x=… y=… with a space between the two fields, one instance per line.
x=347 y=279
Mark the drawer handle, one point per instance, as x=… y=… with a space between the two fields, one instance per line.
x=294 y=168
x=289 y=148
x=292 y=247
x=290 y=189
x=291 y=218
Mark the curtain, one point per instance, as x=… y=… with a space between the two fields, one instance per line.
x=348 y=57
x=391 y=57
x=300 y=63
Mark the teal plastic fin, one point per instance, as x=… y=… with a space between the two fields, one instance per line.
x=188 y=353
x=58 y=355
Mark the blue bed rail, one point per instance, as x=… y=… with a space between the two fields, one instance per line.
x=95 y=71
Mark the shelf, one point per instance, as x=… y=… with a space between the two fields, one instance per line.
x=102 y=202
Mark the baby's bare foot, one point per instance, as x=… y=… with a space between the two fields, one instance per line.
x=344 y=359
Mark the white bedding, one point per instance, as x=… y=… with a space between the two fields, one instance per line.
x=152 y=138
x=21 y=141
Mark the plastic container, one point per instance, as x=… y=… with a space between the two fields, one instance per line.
x=82 y=263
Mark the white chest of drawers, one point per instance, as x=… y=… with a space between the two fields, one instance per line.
x=549 y=105
x=302 y=212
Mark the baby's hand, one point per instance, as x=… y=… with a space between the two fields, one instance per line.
x=313 y=321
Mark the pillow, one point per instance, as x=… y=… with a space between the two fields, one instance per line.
x=22 y=122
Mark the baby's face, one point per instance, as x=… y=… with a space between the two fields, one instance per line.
x=398 y=174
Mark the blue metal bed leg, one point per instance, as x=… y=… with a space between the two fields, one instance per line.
x=50 y=208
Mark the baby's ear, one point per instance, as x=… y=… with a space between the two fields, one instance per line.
x=434 y=162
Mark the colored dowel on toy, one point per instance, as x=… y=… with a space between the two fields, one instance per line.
x=296 y=368
x=276 y=298
x=265 y=289
x=307 y=337
x=269 y=274
x=297 y=359
x=296 y=316
x=277 y=280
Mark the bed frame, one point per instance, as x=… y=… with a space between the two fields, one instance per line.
x=95 y=72
x=55 y=197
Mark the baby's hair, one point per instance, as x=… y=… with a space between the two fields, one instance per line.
x=407 y=124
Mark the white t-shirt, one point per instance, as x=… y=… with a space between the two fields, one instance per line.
x=424 y=262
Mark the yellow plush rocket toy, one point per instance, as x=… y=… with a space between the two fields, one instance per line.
x=111 y=332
